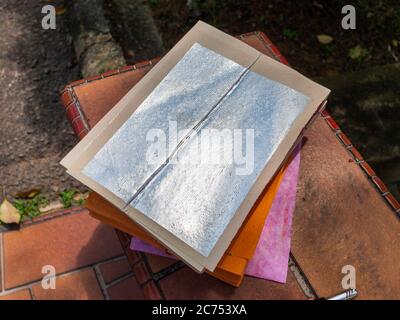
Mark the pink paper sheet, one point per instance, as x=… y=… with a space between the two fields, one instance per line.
x=270 y=260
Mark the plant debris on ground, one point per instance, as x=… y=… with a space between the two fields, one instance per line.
x=31 y=207
x=30 y=204
x=8 y=213
x=68 y=198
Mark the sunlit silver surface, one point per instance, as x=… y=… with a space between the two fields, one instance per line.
x=196 y=201
x=186 y=94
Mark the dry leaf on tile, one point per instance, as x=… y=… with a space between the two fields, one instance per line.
x=8 y=213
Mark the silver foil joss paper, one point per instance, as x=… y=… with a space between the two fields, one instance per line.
x=203 y=97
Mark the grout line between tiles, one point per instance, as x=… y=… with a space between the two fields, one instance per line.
x=17 y=289
x=59 y=275
x=122 y=257
x=33 y=297
x=101 y=282
x=115 y=258
x=120 y=279
x=28 y=285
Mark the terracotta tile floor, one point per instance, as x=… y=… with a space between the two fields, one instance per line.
x=157 y=263
x=185 y=284
x=87 y=257
x=90 y=264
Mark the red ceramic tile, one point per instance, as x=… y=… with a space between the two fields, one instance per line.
x=141 y=272
x=325 y=113
x=72 y=112
x=357 y=155
x=151 y=291
x=186 y=284
x=142 y=64
x=66 y=98
x=18 y=295
x=114 y=270
x=126 y=68
x=81 y=134
x=133 y=256
x=367 y=169
x=128 y=289
x=81 y=285
x=380 y=185
x=276 y=52
x=78 y=123
x=393 y=202
x=79 y=126
x=342 y=137
x=93 y=78
x=340 y=219
x=67 y=243
x=77 y=83
x=158 y=263
x=110 y=73
x=124 y=238
x=332 y=123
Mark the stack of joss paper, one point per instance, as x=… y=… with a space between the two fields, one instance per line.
x=198 y=160
x=260 y=249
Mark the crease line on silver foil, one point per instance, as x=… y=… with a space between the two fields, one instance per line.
x=192 y=131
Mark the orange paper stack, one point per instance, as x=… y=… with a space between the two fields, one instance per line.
x=232 y=266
